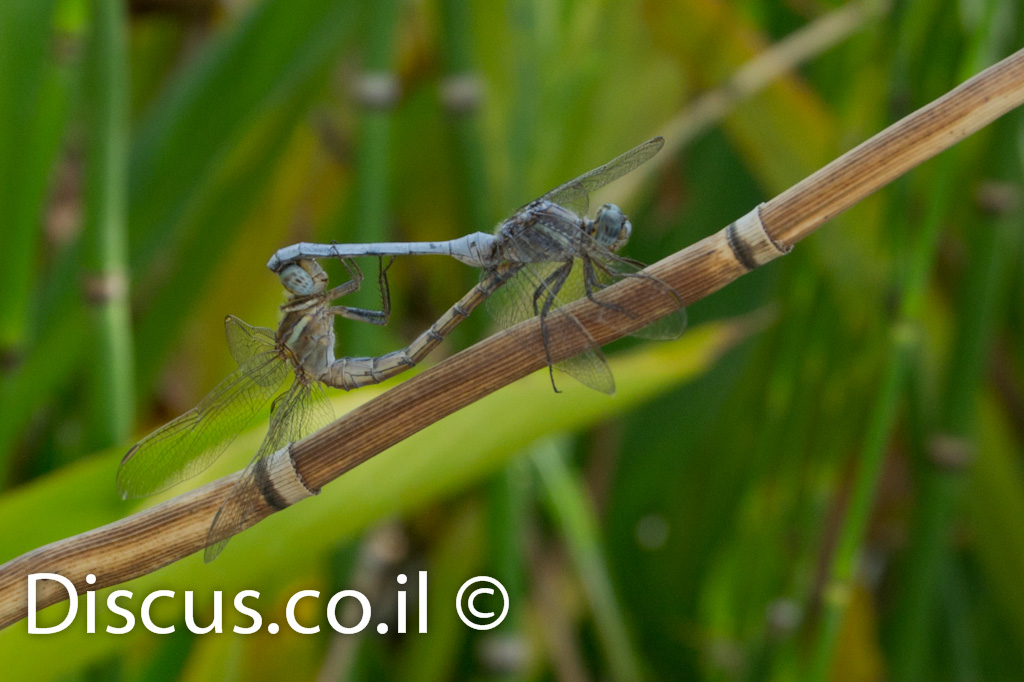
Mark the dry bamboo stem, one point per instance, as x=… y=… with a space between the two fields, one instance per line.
x=163 y=534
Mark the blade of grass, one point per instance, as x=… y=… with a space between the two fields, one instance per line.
x=461 y=93
x=942 y=481
x=35 y=90
x=112 y=384
x=576 y=518
x=509 y=502
x=31 y=121
x=524 y=116
x=957 y=620
x=993 y=508
x=377 y=92
x=902 y=349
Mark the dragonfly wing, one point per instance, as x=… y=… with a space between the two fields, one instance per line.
x=535 y=283
x=246 y=341
x=189 y=444
x=590 y=368
x=665 y=329
x=575 y=194
x=608 y=268
x=300 y=411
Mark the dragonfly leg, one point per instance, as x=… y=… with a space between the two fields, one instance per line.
x=350 y=286
x=377 y=317
x=343 y=289
x=353 y=269
x=385 y=288
x=552 y=284
x=359 y=314
x=545 y=287
x=590 y=283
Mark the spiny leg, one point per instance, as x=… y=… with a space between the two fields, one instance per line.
x=350 y=286
x=385 y=288
x=548 y=281
x=359 y=314
x=377 y=317
x=553 y=283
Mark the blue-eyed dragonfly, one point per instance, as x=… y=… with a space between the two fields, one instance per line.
x=543 y=256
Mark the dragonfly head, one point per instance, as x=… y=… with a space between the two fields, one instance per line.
x=304 y=277
x=611 y=227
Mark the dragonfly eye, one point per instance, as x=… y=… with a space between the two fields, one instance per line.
x=612 y=229
x=296 y=280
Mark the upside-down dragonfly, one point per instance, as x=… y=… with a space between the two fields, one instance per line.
x=302 y=347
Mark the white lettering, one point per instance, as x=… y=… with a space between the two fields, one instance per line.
x=90 y=606
x=332 y=615
x=216 y=624
x=147 y=621
x=257 y=620
x=289 y=612
x=129 y=617
x=33 y=578
x=472 y=605
x=423 y=602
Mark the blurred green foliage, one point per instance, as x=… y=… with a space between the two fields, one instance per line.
x=833 y=494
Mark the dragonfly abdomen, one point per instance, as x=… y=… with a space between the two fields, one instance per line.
x=351 y=373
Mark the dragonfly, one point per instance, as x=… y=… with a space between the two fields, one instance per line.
x=302 y=348
x=546 y=254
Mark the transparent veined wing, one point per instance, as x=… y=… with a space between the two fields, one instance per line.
x=189 y=444
x=246 y=341
x=524 y=296
x=300 y=411
x=575 y=194
x=602 y=268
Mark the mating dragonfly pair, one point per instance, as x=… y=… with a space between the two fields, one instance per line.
x=546 y=254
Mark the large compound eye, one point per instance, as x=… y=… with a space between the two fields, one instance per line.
x=296 y=280
x=612 y=228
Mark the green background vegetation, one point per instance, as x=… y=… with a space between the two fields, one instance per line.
x=821 y=480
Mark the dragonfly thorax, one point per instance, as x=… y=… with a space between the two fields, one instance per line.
x=611 y=228
x=304 y=278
